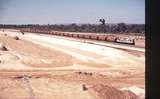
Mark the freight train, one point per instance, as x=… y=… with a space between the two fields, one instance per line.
x=91 y=36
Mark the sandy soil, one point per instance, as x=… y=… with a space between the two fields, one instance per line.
x=35 y=55
x=41 y=67
x=85 y=51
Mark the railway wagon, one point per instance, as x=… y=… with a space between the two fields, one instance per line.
x=111 y=38
x=65 y=34
x=44 y=32
x=56 y=33
x=87 y=36
x=47 y=32
x=30 y=31
x=39 y=31
x=75 y=35
x=33 y=31
x=102 y=37
x=61 y=33
x=52 y=33
x=70 y=35
x=94 y=37
x=81 y=35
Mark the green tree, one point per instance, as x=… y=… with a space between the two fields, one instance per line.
x=103 y=24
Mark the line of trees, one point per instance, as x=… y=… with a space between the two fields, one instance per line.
x=97 y=28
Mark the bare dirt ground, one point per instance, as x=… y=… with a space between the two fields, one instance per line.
x=42 y=67
x=35 y=55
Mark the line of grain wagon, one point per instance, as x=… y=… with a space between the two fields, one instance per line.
x=92 y=36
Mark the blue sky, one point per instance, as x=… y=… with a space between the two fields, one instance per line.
x=71 y=11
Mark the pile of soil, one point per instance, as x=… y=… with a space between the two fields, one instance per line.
x=109 y=92
x=16 y=38
x=3 y=47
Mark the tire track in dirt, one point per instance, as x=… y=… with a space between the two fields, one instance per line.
x=25 y=80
